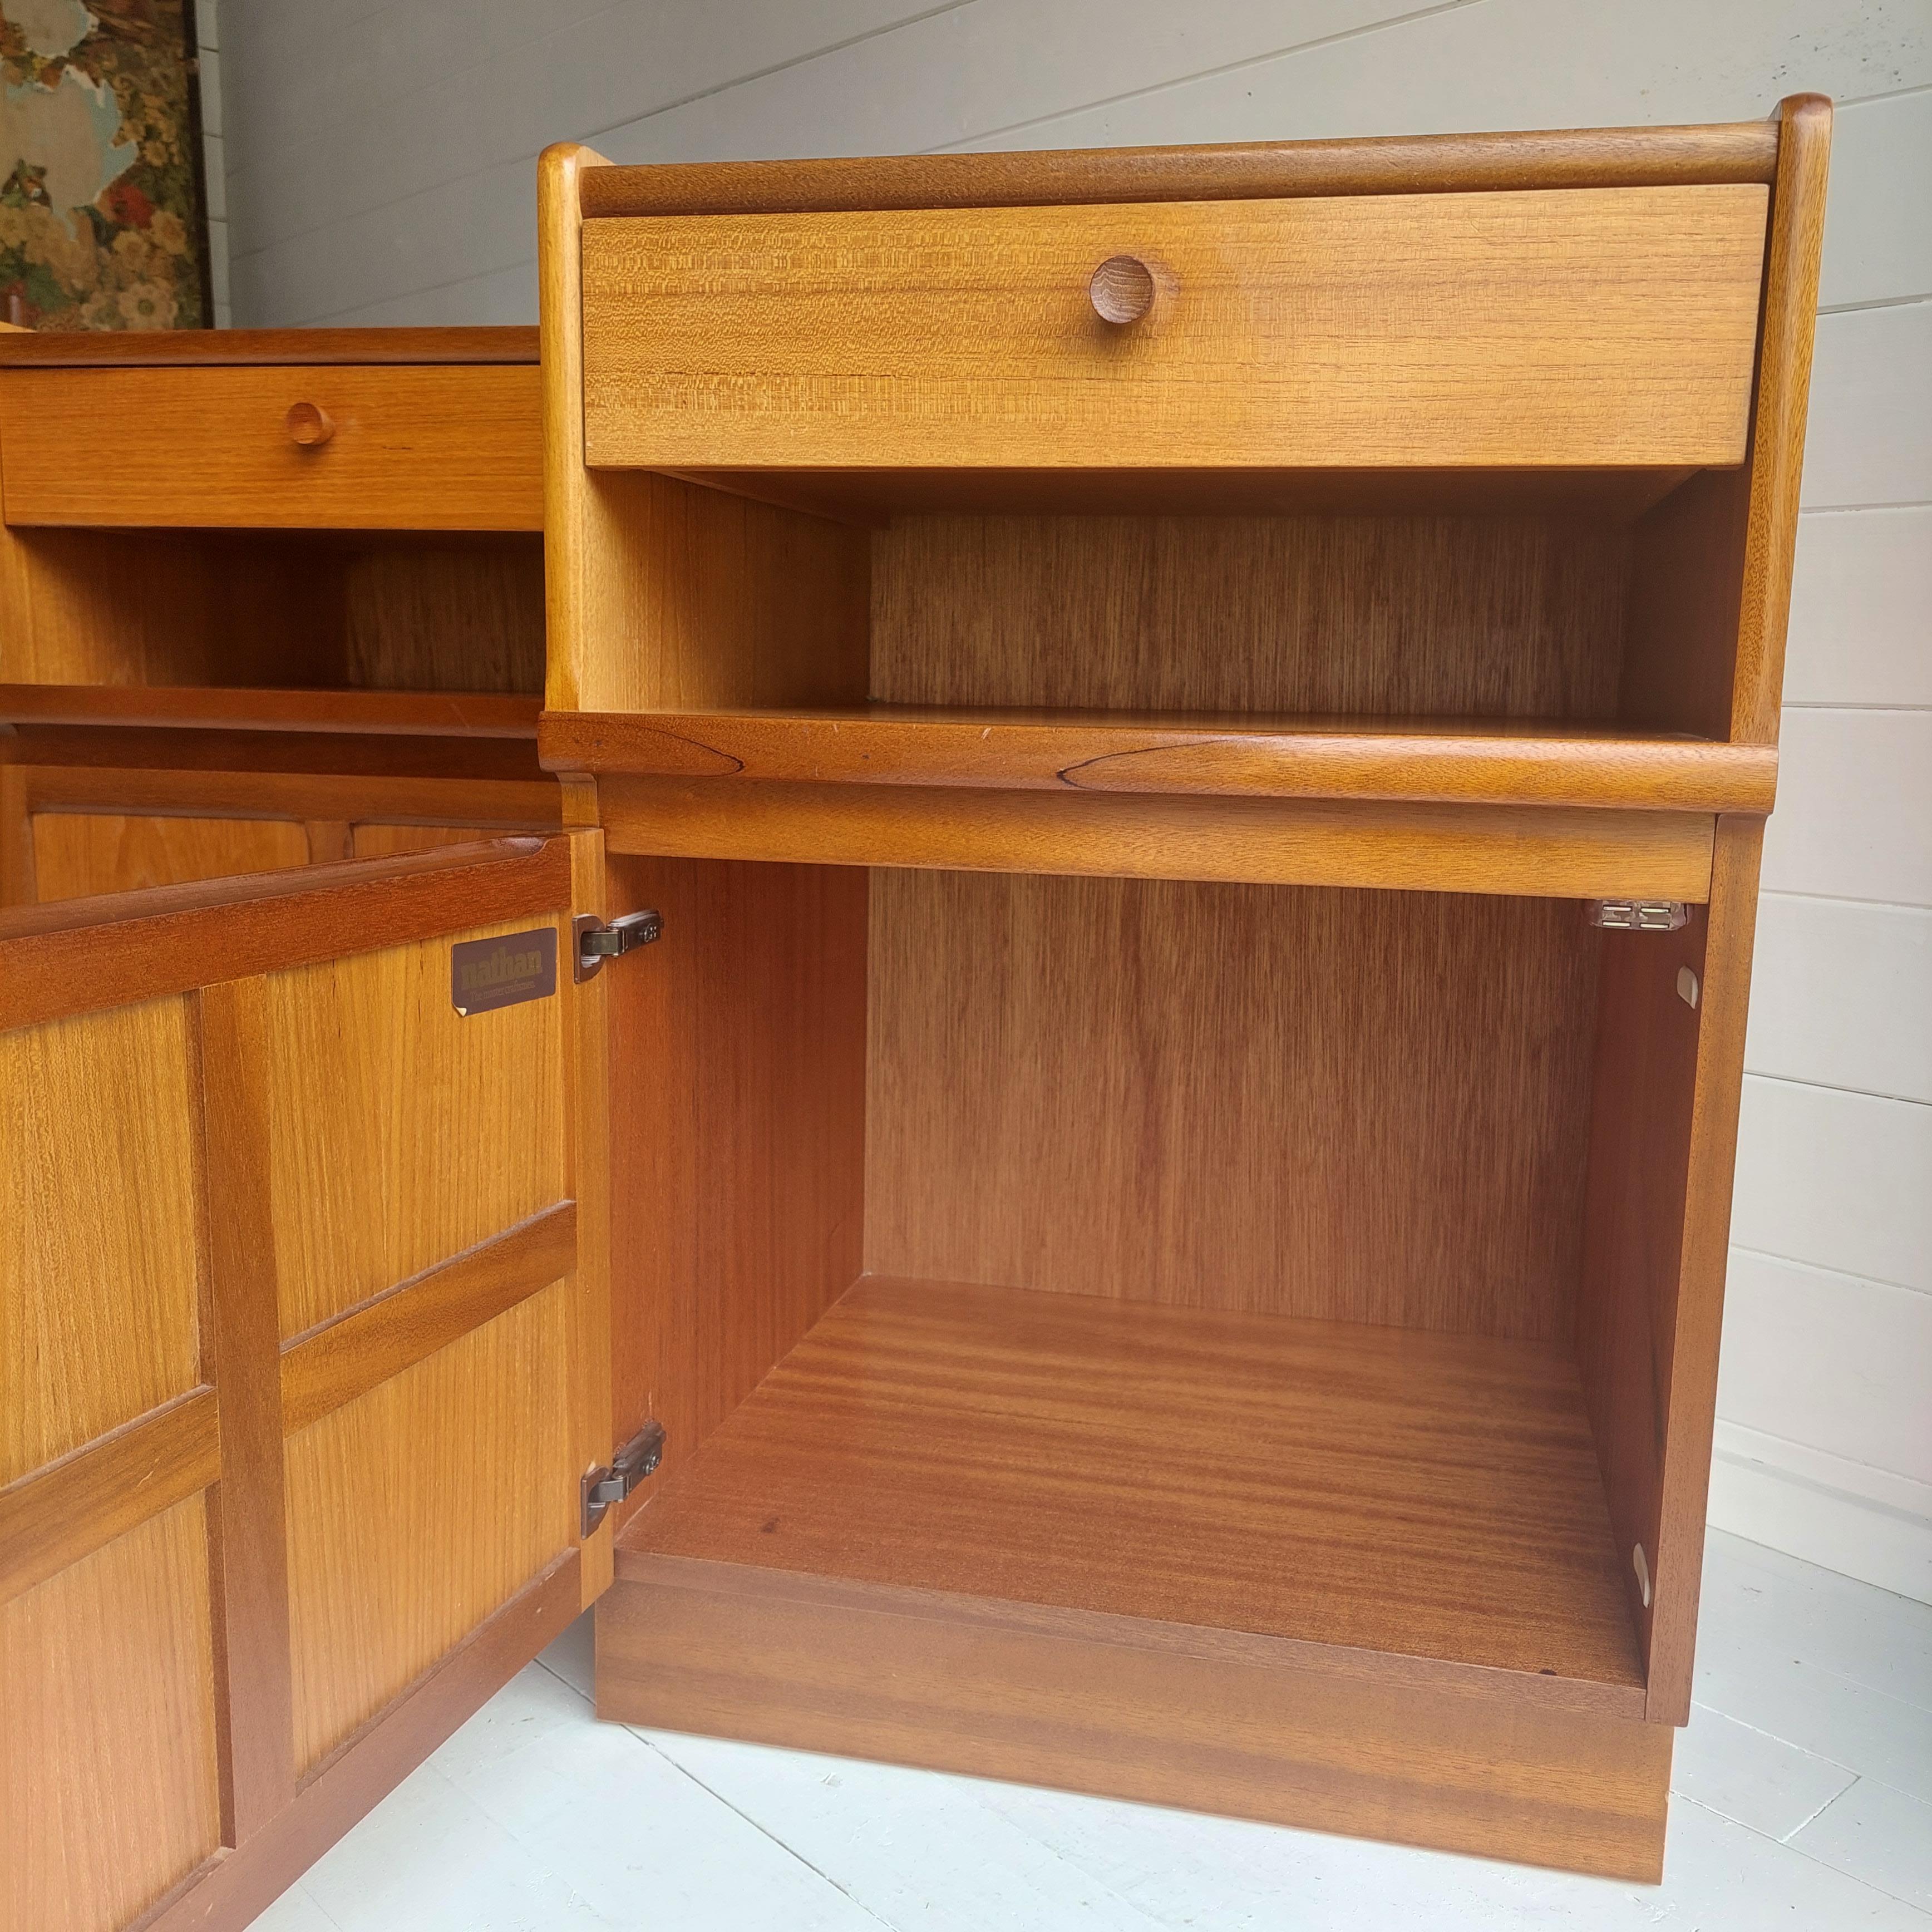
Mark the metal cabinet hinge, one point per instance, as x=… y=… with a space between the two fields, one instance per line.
x=626 y=1470
x=595 y=942
x=1637 y=915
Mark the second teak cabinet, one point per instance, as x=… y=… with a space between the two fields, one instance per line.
x=1197 y=723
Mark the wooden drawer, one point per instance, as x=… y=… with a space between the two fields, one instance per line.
x=429 y=448
x=1585 y=327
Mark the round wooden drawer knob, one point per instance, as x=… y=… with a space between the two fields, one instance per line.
x=1122 y=289
x=309 y=425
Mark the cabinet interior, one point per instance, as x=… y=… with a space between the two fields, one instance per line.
x=1316 y=1224
x=1202 y=1252
x=284 y=610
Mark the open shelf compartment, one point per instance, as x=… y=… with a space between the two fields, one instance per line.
x=1037 y=684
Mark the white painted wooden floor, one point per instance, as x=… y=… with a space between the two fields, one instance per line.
x=1802 y=1799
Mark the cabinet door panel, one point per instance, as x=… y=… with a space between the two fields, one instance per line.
x=302 y=1361
x=108 y=1787
x=415 y=1510
x=99 y=1320
x=401 y=1133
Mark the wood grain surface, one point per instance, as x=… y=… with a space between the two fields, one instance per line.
x=1426 y=760
x=1597 y=325
x=457 y=1124
x=1374 y=1488
x=465 y=618
x=169 y=608
x=108 y=1791
x=660 y=592
x=248 y=1558
x=1361 y=1106
x=1663 y=1155
x=707 y=593
x=1643 y=1096
x=687 y=596
x=416 y=1510
x=1343 y=617
x=67 y=1510
x=460 y=714
x=51 y=963
x=432 y=448
x=588 y=1077
x=1551 y=851
x=162 y=751
x=265 y=1584
x=385 y=841
x=348 y=1353
x=1746 y=151
x=230 y=1892
x=100 y=1310
x=276 y=611
x=726 y=1650
x=1690 y=1314
x=1681 y=635
x=79 y=853
x=248 y=786
x=875 y=499
x=737 y=1059
x=1777 y=434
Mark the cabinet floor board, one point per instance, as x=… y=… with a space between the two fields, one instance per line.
x=1430 y=1496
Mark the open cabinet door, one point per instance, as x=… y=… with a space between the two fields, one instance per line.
x=304 y=1355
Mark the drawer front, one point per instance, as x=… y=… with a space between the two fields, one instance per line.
x=447 y=447
x=1585 y=327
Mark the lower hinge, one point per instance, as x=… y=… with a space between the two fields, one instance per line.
x=595 y=942
x=627 y=1469
x=1637 y=915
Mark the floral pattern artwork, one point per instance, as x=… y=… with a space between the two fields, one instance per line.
x=100 y=216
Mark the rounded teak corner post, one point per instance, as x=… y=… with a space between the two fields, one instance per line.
x=560 y=296
x=1784 y=388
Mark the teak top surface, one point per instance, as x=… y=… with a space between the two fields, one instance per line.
x=136 y=348
x=1401 y=164
x=1384 y=1489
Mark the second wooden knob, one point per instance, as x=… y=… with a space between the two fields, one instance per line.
x=1122 y=289
x=309 y=425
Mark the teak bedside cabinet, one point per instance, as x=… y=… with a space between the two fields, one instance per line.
x=1101 y=1155
x=266 y=597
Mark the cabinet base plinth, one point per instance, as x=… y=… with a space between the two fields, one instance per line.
x=955 y=1684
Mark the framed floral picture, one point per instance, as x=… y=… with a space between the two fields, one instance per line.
x=101 y=210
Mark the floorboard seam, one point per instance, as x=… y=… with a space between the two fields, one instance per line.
x=791 y=1851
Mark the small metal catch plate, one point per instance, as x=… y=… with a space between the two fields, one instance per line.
x=1637 y=915
x=487 y=973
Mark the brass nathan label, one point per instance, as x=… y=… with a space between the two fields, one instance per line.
x=487 y=973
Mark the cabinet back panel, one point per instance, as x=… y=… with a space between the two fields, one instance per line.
x=1490 y=616
x=1356 y=1106
x=79 y=853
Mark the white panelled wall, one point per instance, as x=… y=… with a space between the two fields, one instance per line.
x=380 y=160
